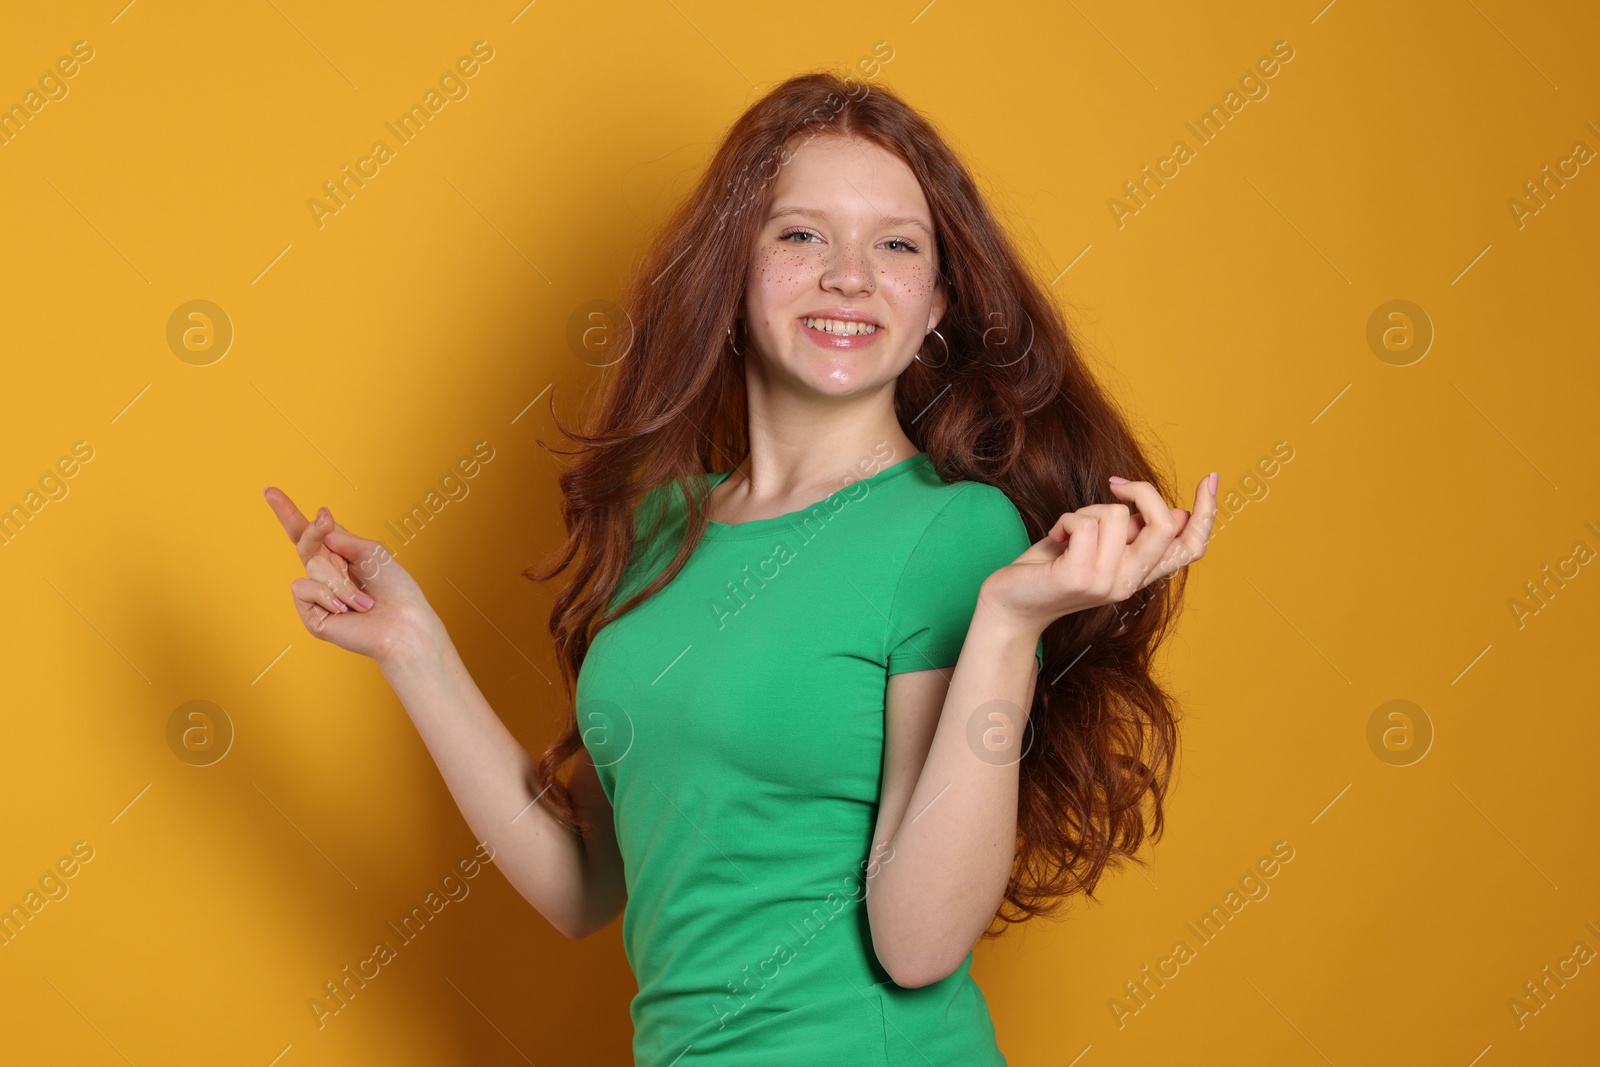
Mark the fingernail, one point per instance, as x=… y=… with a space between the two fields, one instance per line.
x=363 y=601
x=1213 y=481
x=1118 y=481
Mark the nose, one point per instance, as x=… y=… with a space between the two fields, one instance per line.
x=849 y=270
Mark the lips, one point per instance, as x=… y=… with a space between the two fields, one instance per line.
x=840 y=326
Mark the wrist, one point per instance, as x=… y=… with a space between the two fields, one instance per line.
x=992 y=617
x=418 y=638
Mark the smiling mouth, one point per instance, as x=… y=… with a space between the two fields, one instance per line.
x=839 y=327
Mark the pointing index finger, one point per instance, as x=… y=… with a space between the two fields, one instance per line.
x=294 y=524
x=1190 y=544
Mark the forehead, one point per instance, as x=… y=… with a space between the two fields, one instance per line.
x=849 y=178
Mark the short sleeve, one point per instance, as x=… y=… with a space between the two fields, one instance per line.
x=977 y=532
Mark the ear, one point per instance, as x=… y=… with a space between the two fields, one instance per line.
x=941 y=304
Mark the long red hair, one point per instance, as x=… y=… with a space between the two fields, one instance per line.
x=1014 y=405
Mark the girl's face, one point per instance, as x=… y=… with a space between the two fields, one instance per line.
x=842 y=285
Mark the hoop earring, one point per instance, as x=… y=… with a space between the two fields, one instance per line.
x=731 y=345
x=917 y=355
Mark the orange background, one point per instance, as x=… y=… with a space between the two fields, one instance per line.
x=1230 y=312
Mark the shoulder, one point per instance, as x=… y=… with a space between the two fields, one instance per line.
x=967 y=531
x=962 y=528
x=969 y=509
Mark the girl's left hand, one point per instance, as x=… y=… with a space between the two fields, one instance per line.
x=1102 y=554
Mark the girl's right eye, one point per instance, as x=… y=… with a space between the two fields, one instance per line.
x=790 y=233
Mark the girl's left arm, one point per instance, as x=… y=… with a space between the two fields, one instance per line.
x=945 y=839
x=947 y=816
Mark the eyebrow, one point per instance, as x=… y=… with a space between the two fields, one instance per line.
x=891 y=220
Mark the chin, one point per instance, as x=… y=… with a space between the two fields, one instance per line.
x=842 y=378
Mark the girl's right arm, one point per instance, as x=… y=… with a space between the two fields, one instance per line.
x=357 y=596
x=575 y=883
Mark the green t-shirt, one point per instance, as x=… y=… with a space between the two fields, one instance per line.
x=736 y=720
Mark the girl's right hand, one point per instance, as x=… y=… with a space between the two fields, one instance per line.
x=355 y=594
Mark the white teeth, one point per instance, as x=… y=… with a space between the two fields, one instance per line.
x=842 y=327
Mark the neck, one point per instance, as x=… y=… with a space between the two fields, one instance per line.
x=812 y=445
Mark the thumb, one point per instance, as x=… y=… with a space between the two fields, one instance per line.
x=1048 y=548
x=365 y=556
x=1044 y=550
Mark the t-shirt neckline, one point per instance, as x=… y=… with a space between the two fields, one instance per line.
x=759 y=527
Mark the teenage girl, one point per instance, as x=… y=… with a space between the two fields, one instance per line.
x=867 y=572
